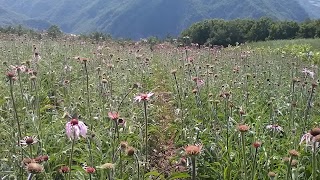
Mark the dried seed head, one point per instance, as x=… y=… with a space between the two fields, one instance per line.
x=27 y=161
x=90 y=170
x=104 y=81
x=174 y=71
x=193 y=149
x=294 y=163
x=242 y=112
x=317 y=138
x=130 y=151
x=29 y=140
x=315 y=131
x=272 y=174
x=256 y=144
x=286 y=159
x=107 y=166
x=314 y=85
x=294 y=153
x=123 y=145
x=34 y=168
x=243 y=128
x=194 y=91
x=64 y=169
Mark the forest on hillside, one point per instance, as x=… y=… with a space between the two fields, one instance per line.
x=222 y=32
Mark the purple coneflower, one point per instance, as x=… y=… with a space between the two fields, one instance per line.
x=143 y=97
x=75 y=128
x=28 y=140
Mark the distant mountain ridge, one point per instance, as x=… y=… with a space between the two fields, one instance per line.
x=143 y=18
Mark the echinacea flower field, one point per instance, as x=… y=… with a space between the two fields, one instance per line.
x=86 y=109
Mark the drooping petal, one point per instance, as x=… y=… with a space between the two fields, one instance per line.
x=69 y=130
x=138 y=98
x=83 y=129
x=149 y=95
x=76 y=132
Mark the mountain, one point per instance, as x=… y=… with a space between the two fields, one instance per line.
x=143 y=18
x=312 y=7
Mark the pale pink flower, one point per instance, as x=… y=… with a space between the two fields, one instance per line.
x=113 y=115
x=143 y=97
x=274 y=127
x=28 y=140
x=75 y=128
x=307 y=72
x=198 y=81
x=309 y=140
x=21 y=68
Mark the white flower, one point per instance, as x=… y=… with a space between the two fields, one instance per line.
x=274 y=127
x=307 y=72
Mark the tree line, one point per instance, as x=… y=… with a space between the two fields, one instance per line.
x=222 y=32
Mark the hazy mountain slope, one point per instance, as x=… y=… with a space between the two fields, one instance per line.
x=312 y=7
x=142 y=18
x=8 y=17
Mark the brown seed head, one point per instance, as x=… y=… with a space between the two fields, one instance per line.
x=64 y=169
x=294 y=163
x=256 y=144
x=193 y=149
x=130 y=151
x=194 y=91
x=34 y=168
x=272 y=174
x=294 y=153
x=174 y=71
x=286 y=159
x=27 y=161
x=107 y=166
x=90 y=170
x=317 y=138
x=29 y=140
x=123 y=145
x=243 y=128
x=315 y=131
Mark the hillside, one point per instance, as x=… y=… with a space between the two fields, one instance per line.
x=143 y=18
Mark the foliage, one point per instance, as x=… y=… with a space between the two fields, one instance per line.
x=54 y=31
x=201 y=97
x=221 y=32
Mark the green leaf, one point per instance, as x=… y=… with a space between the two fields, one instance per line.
x=179 y=175
x=152 y=173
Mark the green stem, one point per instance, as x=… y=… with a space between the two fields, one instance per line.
x=314 y=161
x=193 y=161
x=254 y=164
x=138 y=166
x=244 y=156
x=146 y=131
x=289 y=169
x=120 y=155
x=89 y=113
x=17 y=120
x=71 y=153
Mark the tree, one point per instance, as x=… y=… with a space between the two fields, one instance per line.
x=54 y=31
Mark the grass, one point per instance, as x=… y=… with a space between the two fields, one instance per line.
x=314 y=43
x=234 y=113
